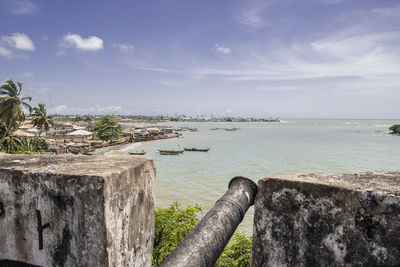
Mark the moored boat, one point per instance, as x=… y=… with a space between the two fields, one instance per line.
x=73 y=150
x=137 y=152
x=88 y=151
x=197 y=149
x=170 y=152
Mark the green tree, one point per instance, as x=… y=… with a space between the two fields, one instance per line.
x=174 y=223
x=108 y=128
x=40 y=119
x=395 y=128
x=3 y=127
x=11 y=107
x=78 y=118
x=237 y=253
x=171 y=226
x=12 y=144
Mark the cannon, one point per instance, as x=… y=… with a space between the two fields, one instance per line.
x=203 y=245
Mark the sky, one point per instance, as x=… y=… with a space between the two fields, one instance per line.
x=249 y=58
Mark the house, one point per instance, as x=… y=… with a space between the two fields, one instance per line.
x=75 y=136
x=21 y=133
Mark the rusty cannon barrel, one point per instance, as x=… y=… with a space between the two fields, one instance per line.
x=203 y=245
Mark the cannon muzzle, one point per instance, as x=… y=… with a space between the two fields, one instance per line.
x=203 y=245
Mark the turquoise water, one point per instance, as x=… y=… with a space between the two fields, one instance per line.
x=261 y=149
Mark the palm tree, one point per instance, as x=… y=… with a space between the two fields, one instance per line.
x=41 y=120
x=11 y=106
x=12 y=143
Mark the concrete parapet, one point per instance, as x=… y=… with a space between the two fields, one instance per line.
x=76 y=210
x=327 y=220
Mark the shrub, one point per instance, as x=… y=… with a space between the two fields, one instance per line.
x=171 y=226
x=12 y=144
x=174 y=223
x=237 y=253
x=41 y=145
x=395 y=128
x=25 y=145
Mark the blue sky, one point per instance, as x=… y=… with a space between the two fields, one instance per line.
x=287 y=58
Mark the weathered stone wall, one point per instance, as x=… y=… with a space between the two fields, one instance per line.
x=100 y=210
x=327 y=220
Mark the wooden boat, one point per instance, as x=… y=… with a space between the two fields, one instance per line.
x=197 y=149
x=137 y=152
x=74 y=150
x=231 y=129
x=88 y=151
x=170 y=152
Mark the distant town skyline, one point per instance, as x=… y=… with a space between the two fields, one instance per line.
x=255 y=58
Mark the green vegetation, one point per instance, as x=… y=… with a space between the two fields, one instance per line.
x=395 y=128
x=174 y=223
x=237 y=253
x=24 y=145
x=40 y=119
x=11 y=117
x=171 y=226
x=108 y=128
x=85 y=118
x=11 y=107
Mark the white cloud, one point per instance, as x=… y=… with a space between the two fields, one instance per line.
x=42 y=90
x=223 y=50
x=251 y=16
x=26 y=75
x=124 y=48
x=64 y=109
x=23 y=7
x=60 y=53
x=278 y=88
x=156 y=69
x=5 y=52
x=343 y=62
x=19 y=41
x=386 y=11
x=172 y=83
x=348 y=47
x=91 y=43
x=330 y=2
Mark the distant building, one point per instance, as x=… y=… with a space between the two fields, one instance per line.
x=21 y=133
x=75 y=136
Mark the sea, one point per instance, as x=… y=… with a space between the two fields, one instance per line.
x=260 y=149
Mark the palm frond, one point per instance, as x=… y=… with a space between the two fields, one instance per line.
x=20 y=87
x=12 y=86
x=7 y=90
x=26 y=97
x=26 y=105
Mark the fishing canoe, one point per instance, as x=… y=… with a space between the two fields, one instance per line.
x=137 y=152
x=170 y=152
x=197 y=149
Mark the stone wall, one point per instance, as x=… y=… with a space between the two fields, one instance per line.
x=99 y=210
x=327 y=220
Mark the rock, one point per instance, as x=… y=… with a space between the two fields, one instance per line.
x=328 y=220
x=99 y=210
